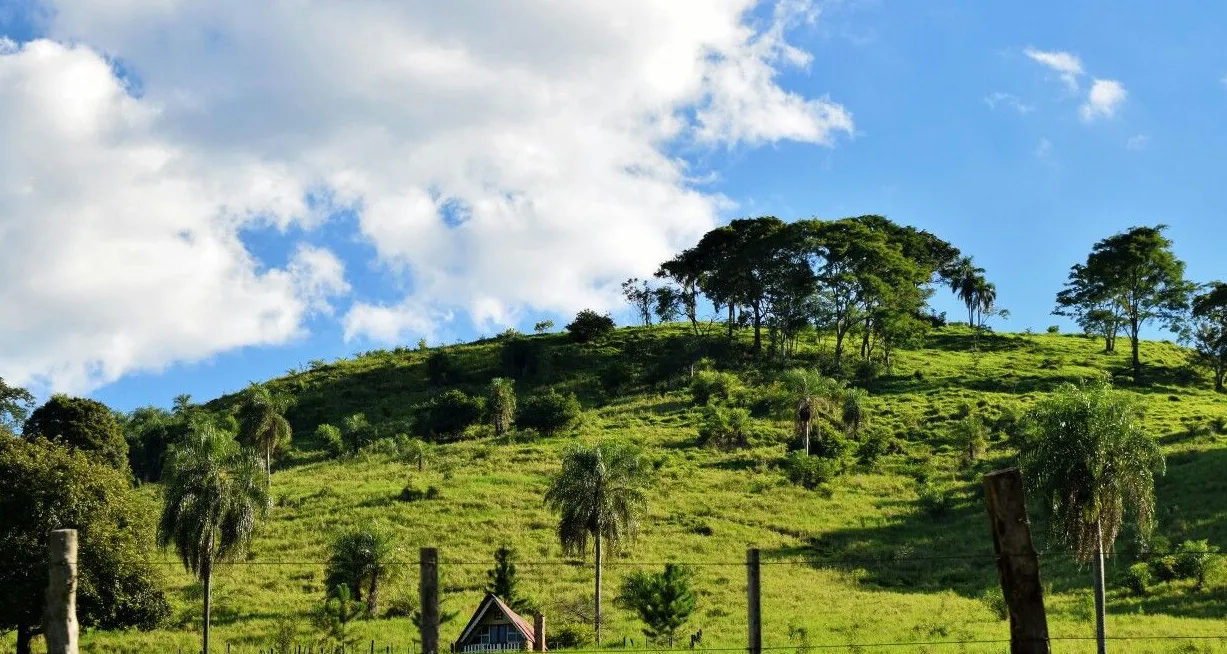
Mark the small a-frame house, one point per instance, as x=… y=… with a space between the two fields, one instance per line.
x=494 y=627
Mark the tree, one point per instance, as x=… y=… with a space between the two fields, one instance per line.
x=1088 y=459
x=448 y=414
x=262 y=423
x=361 y=557
x=667 y=303
x=640 y=295
x=46 y=485
x=502 y=404
x=213 y=503
x=664 y=601
x=414 y=451
x=854 y=410
x=1088 y=301
x=15 y=405
x=550 y=413
x=599 y=493
x=686 y=270
x=589 y=326
x=333 y=618
x=356 y=431
x=80 y=423
x=543 y=326
x=966 y=280
x=149 y=432
x=502 y=578
x=1135 y=272
x=1207 y=333
x=811 y=393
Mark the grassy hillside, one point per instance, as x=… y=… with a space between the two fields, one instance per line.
x=894 y=550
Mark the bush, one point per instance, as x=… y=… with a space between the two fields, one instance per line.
x=569 y=636
x=709 y=385
x=972 y=437
x=356 y=432
x=441 y=368
x=1054 y=329
x=725 y=428
x=867 y=371
x=449 y=413
x=617 y=378
x=934 y=501
x=549 y=413
x=1193 y=559
x=876 y=444
x=522 y=358
x=1163 y=568
x=811 y=472
x=589 y=326
x=1138 y=578
x=330 y=438
x=994 y=600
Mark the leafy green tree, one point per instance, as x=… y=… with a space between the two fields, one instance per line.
x=356 y=431
x=442 y=369
x=666 y=303
x=361 y=557
x=686 y=270
x=1136 y=272
x=213 y=502
x=448 y=414
x=855 y=410
x=81 y=423
x=589 y=326
x=640 y=295
x=414 y=451
x=543 y=326
x=664 y=601
x=149 y=432
x=262 y=423
x=15 y=406
x=502 y=404
x=1088 y=300
x=501 y=579
x=1207 y=333
x=331 y=438
x=549 y=413
x=1088 y=459
x=46 y=485
x=812 y=393
x=599 y=494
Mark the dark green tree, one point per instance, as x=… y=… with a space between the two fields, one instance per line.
x=1207 y=333
x=263 y=425
x=664 y=601
x=549 y=413
x=81 y=423
x=667 y=303
x=46 y=485
x=599 y=495
x=640 y=295
x=501 y=579
x=447 y=415
x=1088 y=459
x=213 y=503
x=1089 y=301
x=589 y=326
x=149 y=432
x=686 y=270
x=1136 y=272
x=361 y=557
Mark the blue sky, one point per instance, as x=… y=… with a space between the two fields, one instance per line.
x=954 y=123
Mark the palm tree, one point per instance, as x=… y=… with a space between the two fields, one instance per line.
x=361 y=556
x=598 y=494
x=964 y=280
x=854 y=410
x=502 y=403
x=213 y=502
x=812 y=393
x=1088 y=458
x=263 y=423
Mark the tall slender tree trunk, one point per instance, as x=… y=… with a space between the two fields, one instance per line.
x=731 y=318
x=1133 y=337
x=24 y=635
x=596 y=621
x=806 y=429
x=268 y=465
x=372 y=597
x=208 y=592
x=1100 y=611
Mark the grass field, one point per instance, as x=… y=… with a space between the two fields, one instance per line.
x=867 y=560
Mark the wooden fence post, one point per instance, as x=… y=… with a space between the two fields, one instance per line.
x=60 y=610
x=1017 y=564
x=753 y=604
x=428 y=586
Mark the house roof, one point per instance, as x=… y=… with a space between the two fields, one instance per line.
x=523 y=626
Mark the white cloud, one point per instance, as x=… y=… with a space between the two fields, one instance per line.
x=549 y=125
x=1137 y=142
x=1067 y=65
x=1105 y=96
x=1043 y=149
x=999 y=98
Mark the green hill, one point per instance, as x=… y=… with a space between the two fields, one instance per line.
x=895 y=549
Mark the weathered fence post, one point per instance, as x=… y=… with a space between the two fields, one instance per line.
x=428 y=586
x=60 y=611
x=1017 y=564
x=753 y=605
x=538 y=632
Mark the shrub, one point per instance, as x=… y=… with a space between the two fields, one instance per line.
x=972 y=437
x=330 y=438
x=441 y=368
x=549 y=413
x=708 y=385
x=1054 y=329
x=725 y=428
x=876 y=444
x=867 y=371
x=934 y=501
x=1219 y=424
x=811 y=472
x=994 y=600
x=522 y=358
x=589 y=326
x=1192 y=560
x=356 y=432
x=569 y=636
x=1138 y=578
x=617 y=377
x=449 y=413
x=1163 y=568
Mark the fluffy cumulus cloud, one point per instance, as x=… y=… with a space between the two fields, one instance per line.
x=1105 y=96
x=502 y=158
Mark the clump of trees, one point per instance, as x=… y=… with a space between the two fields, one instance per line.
x=589 y=325
x=81 y=424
